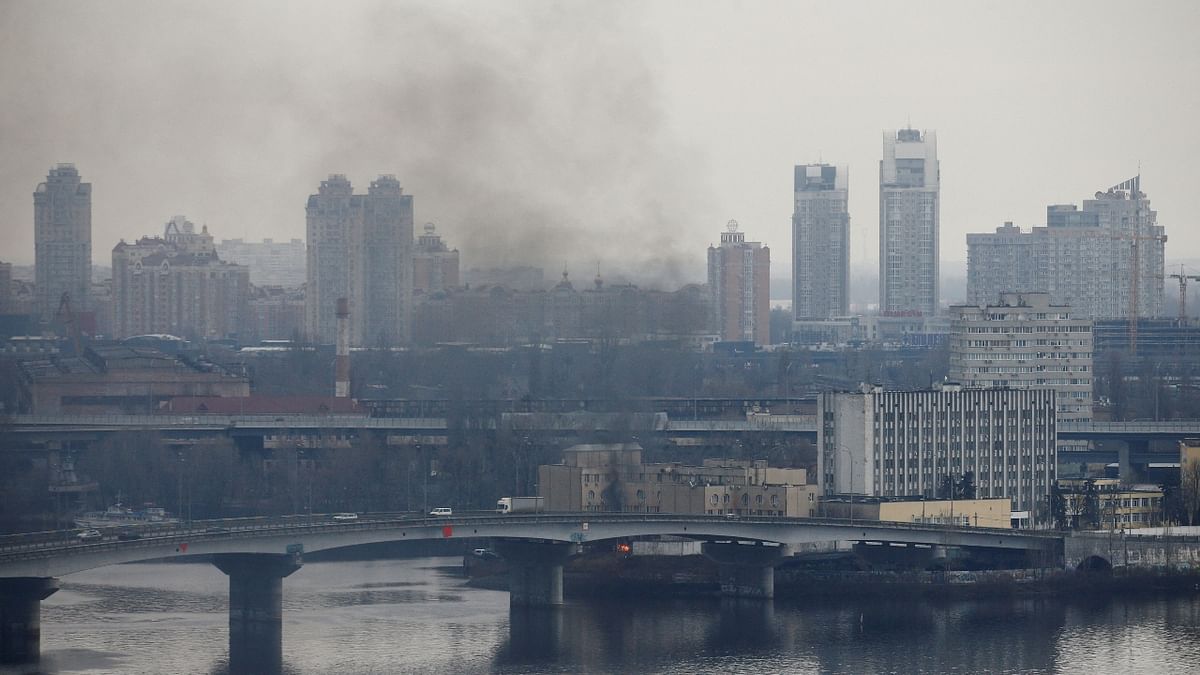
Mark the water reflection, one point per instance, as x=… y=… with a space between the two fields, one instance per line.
x=405 y=616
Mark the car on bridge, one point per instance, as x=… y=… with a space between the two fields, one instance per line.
x=442 y=511
x=88 y=535
x=345 y=517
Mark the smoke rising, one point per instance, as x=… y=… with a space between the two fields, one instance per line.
x=530 y=135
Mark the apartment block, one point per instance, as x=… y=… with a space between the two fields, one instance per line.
x=435 y=265
x=176 y=284
x=271 y=263
x=1105 y=260
x=909 y=223
x=1025 y=342
x=62 y=235
x=820 y=242
x=360 y=247
x=739 y=279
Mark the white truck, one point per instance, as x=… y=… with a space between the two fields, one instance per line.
x=521 y=505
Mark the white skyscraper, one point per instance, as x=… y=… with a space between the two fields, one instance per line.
x=909 y=204
x=820 y=243
x=62 y=235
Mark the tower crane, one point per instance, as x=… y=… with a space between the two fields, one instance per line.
x=1183 y=278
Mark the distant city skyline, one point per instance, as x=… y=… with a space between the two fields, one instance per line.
x=525 y=148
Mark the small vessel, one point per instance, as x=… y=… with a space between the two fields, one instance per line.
x=121 y=516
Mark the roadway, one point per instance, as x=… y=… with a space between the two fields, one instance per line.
x=51 y=554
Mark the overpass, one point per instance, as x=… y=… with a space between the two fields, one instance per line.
x=257 y=554
x=269 y=424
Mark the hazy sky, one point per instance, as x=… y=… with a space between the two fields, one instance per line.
x=575 y=133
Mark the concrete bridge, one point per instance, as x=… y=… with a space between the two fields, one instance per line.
x=183 y=425
x=258 y=554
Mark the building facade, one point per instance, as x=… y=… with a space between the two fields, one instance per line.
x=1105 y=260
x=739 y=280
x=360 y=247
x=62 y=234
x=906 y=443
x=176 y=284
x=612 y=477
x=6 y=288
x=1025 y=342
x=271 y=263
x=435 y=265
x=909 y=223
x=820 y=243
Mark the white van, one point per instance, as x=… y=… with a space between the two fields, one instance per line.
x=442 y=511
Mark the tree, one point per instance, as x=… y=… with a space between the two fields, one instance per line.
x=966 y=486
x=1189 y=490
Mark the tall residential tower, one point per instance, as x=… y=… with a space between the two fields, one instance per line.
x=820 y=243
x=909 y=204
x=360 y=247
x=739 y=278
x=62 y=234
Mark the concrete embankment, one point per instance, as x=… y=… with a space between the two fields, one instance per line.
x=691 y=575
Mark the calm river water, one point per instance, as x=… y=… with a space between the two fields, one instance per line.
x=394 y=616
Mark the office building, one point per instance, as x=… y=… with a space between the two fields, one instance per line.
x=908 y=443
x=360 y=247
x=1105 y=260
x=820 y=243
x=909 y=208
x=271 y=263
x=739 y=280
x=177 y=285
x=62 y=234
x=435 y=265
x=1025 y=342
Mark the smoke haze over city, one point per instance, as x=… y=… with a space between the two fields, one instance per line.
x=572 y=134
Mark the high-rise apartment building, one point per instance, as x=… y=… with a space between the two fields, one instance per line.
x=1025 y=342
x=739 y=280
x=909 y=208
x=360 y=247
x=271 y=263
x=435 y=265
x=1105 y=260
x=907 y=443
x=820 y=243
x=62 y=233
x=176 y=284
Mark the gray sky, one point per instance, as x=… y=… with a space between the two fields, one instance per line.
x=576 y=133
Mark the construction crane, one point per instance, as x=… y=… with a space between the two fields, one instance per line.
x=1183 y=278
x=1134 y=188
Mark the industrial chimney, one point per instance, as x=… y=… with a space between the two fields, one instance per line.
x=341 y=366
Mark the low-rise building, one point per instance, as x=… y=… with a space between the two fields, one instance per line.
x=959 y=512
x=122 y=380
x=1109 y=504
x=613 y=478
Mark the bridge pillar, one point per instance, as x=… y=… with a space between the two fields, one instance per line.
x=745 y=570
x=256 y=608
x=1128 y=470
x=534 y=572
x=21 y=617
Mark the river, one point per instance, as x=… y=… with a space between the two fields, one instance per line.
x=394 y=616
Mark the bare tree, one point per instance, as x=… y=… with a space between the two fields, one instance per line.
x=1189 y=487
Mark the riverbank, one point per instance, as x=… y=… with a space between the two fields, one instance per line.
x=613 y=575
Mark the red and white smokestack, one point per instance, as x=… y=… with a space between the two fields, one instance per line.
x=341 y=366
